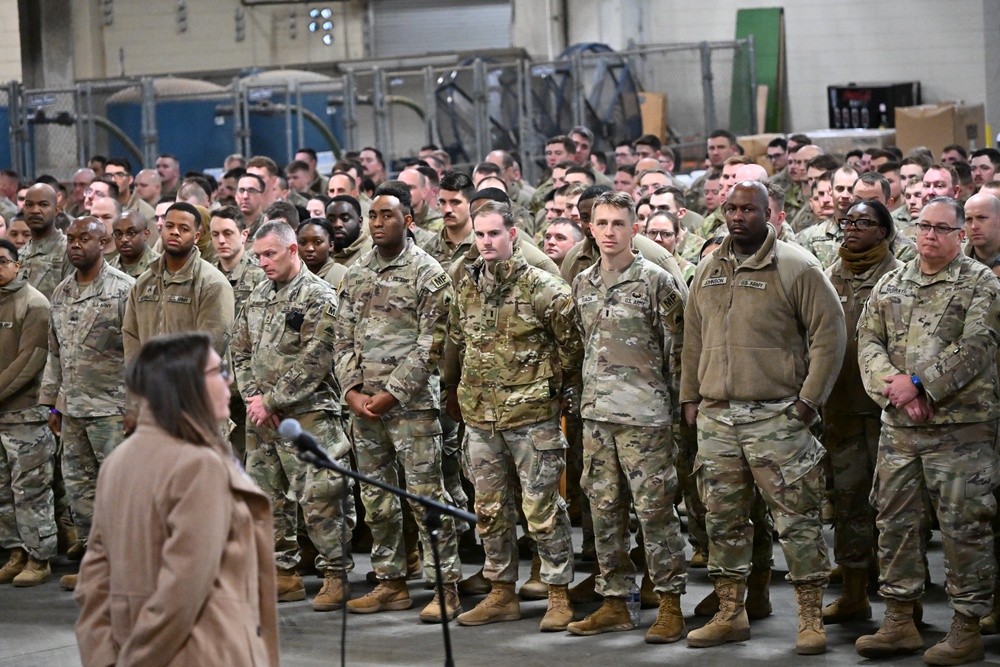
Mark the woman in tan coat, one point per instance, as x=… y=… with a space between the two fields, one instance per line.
x=180 y=567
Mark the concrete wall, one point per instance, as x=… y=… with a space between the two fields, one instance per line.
x=10 y=41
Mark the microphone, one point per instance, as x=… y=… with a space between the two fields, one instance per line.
x=291 y=429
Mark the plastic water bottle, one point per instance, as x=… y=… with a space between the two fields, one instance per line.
x=632 y=604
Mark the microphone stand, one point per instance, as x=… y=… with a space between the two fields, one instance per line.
x=433 y=513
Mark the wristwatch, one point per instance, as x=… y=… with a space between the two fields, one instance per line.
x=918 y=384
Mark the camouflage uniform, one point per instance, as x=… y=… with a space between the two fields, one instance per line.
x=332 y=272
x=585 y=254
x=825 y=238
x=696 y=192
x=283 y=351
x=44 y=263
x=515 y=338
x=794 y=201
x=441 y=248
x=632 y=340
x=429 y=220
x=852 y=425
x=84 y=380
x=714 y=225
x=944 y=328
x=135 y=270
x=27 y=515
x=352 y=253
x=803 y=219
x=389 y=337
x=747 y=328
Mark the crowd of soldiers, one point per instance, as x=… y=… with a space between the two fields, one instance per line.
x=757 y=345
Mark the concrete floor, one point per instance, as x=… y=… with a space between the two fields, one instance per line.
x=36 y=629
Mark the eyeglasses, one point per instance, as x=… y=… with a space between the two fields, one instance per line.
x=222 y=369
x=774 y=156
x=96 y=194
x=924 y=228
x=660 y=235
x=4 y=261
x=119 y=174
x=248 y=191
x=128 y=236
x=861 y=224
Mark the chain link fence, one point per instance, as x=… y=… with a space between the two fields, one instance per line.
x=468 y=109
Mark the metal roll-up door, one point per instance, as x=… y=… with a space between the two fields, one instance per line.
x=416 y=27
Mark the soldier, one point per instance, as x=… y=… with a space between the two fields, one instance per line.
x=351 y=241
x=43 y=260
x=179 y=292
x=250 y=200
x=455 y=234
x=852 y=422
x=422 y=193
x=927 y=342
x=390 y=335
x=512 y=326
x=757 y=305
x=283 y=354
x=315 y=238
x=83 y=383
x=27 y=514
x=131 y=235
x=982 y=223
x=630 y=314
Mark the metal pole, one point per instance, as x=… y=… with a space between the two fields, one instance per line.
x=247 y=132
x=576 y=72
x=350 y=111
x=81 y=155
x=381 y=113
x=16 y=123
x=430 y=105
x=482 y=110
x=299 y=121
x=752 y=86
x=237 y=120
x=150 y=137
x=708 y=93
x=91 y=127
x=289 y=139
x=529 y=170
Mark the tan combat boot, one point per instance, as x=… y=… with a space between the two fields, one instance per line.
x=560 y=611
x=67 y=582
x=585 y=591
x=962 y=644
x=811 y=639
x=452 y=607
x=612 y=616
x=290 y=587
x=502 y=604
x=853 y=604
x=648 y=597
x=15 y=565
x=988 y=625
x=534 y=588
x=389 y=595
x=898 y=633
x=332 y=595
x=477 y=584
x=698 y=559
x=730 y=623
x=34 y=573
x=758 y=602
x=669 y=625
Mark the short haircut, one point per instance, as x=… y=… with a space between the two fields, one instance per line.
x=964 y=171
x=196 y=187
x=628 y=169
x=355 y=204
x=169 y=156
x=260 y=181
x=308 y=151
x=737 y=160
x=166 y=199
x=9 y=247
x=506 y=159
x=778 y=142
x=991 y=153
x=577 y=230
x=823 y=161
x=263 y=162
x=345 y=174
x=283 y=210
x=280 y=230
x=888 y=167
x=498 y=208
x=235 y=172
x=185 y=207
x=955 y=205
x=723 y=133
x=567 y=143
x=650 y=140
x=457 y=181
x=433 y=180
x=122 y=162
x=884 y=217
x=668 y=152
x=595 y=191
x=112 y=186
x=776 y=194
x=584 y=132
x=941 y=166
x=878 y=153
x=378 y=154
x=296 y=165
x=573 y=189
x=400 y=191
x=487 y=168
x=580 y=169
x=619 y=200
x=601 y=157
x=231 y=213
x=957 y=148
x=674 y=222
x=800 y=139
x=679 y=199
x=856 y=152
x=713 y=176
x=492 y=194
x=102 y=160
x=875 y=178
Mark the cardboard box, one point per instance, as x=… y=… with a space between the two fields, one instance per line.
x=755 y=145
x=840 y=142
x=653 y=107
x=938 y=125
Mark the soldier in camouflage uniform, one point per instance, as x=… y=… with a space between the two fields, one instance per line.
x=630 y=314
x=283 y=354
x=389 y=338
x=43 y=260
x=927 y=342
x=131 y=234
x=512 y=326
x=851 y=419
x=756 y=306
x=84 y=375
x=27 y=520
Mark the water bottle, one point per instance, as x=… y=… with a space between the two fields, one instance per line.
x=632 y=604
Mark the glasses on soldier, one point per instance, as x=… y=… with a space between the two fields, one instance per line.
x=222 y=369
x=96 y=194
x=860 y=224
x=924 y=228
x=4 y=261
x=128 y=236
x=248 y=191
x=659 y=234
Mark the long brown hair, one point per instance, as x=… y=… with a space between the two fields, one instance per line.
x=169 y=372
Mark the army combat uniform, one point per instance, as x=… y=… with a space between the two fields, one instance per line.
x=631 y=333
x=85 y=381
x=512 y=326
x=44 y=263
x=943 y=329
x=27 y=518
x=389 y=337
x=283 y=352
x=135 y=270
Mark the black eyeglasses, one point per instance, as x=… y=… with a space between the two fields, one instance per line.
x=128 y=236
x=924 y=228
x=860 y=224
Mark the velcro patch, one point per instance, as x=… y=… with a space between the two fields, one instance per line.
x=174 y=298
x=753 y=284
x=6 y=325
x=439 y=281
x=712 y=282
x=670 y=302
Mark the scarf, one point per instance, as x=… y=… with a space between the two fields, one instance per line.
x=859 y=262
